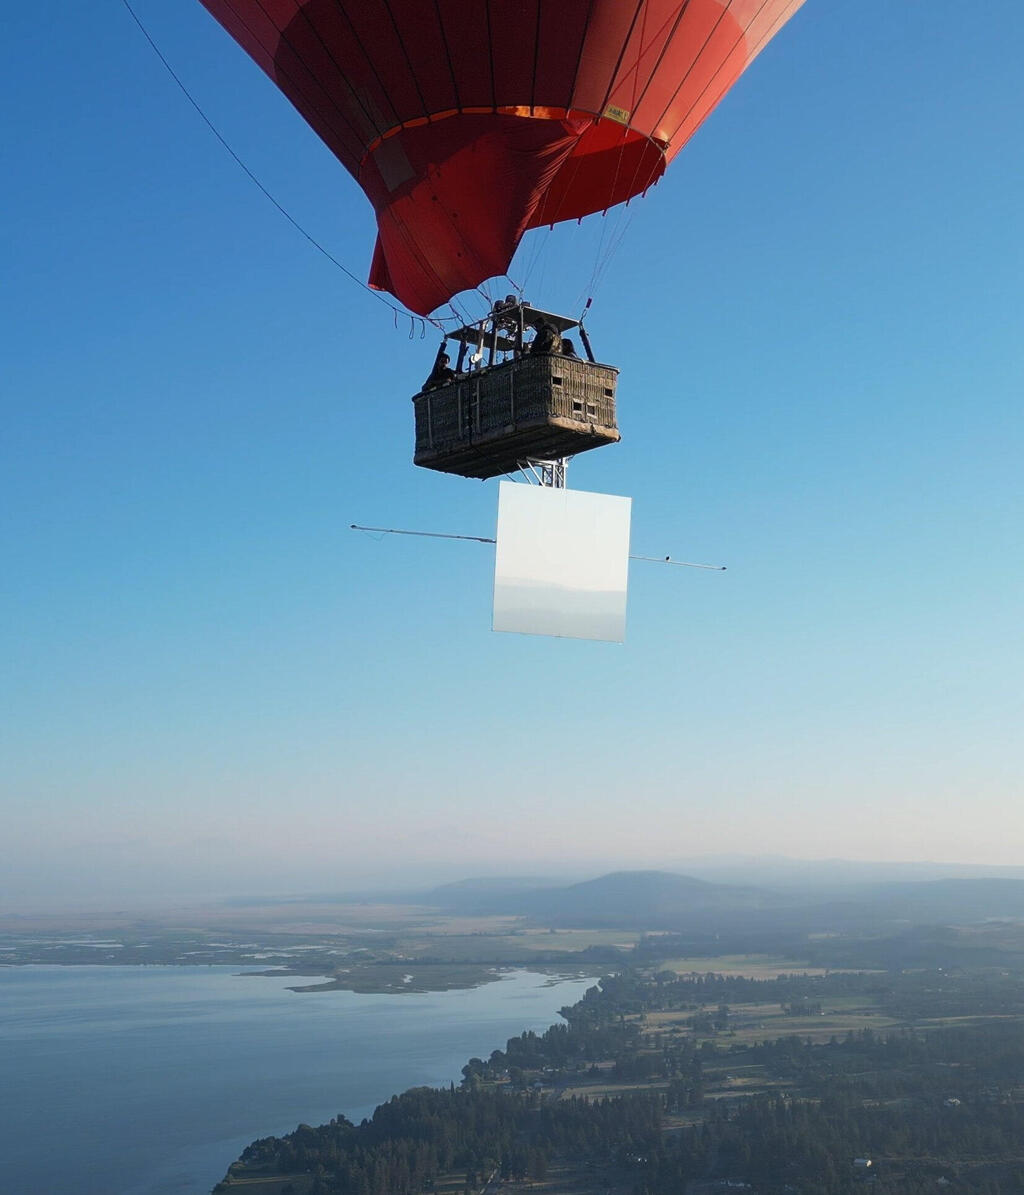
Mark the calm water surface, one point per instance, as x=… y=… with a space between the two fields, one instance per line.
x=151 y=1080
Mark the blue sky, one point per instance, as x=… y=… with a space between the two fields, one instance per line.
x=211 y=685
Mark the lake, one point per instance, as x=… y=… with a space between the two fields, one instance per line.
x=151 y=1080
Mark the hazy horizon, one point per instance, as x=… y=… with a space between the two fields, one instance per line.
x=126 y=896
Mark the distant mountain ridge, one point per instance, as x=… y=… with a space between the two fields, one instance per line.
x=622 y=898
x=663 y=900
x=491 y=885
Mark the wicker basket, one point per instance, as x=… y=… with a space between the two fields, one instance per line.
x=541 y=405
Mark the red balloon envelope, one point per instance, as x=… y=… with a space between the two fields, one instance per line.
x=467 y=122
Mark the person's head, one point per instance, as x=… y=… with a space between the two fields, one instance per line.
x=443 y=358
x=568 y=346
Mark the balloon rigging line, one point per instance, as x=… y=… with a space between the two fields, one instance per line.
x=484 y=539
x=423 y=320
x=535 y=254
x=606 y=246
x=615 y=243
x=600 y=248
x=609 y=247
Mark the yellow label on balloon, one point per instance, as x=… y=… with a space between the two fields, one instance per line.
x=619 y=114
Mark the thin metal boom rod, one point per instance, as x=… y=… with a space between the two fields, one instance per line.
x=484 y=539
x=715 y=568
x=477 y=539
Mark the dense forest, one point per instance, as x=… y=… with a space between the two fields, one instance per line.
x=424 y=1133
x=640 y=1091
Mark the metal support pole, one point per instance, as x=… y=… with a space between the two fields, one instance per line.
x=586 y=343
x=545 y=473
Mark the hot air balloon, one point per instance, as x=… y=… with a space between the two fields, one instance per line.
x=467 y=122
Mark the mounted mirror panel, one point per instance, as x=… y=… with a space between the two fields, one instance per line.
x=561 y=564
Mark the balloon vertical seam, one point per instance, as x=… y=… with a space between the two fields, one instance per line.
x=571 y=98
x=369 y=61
x=448 y=55
x=371 y=122
x=408 y=61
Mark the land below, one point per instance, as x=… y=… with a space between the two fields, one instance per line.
x=744 y=1038
x=660 y=1082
